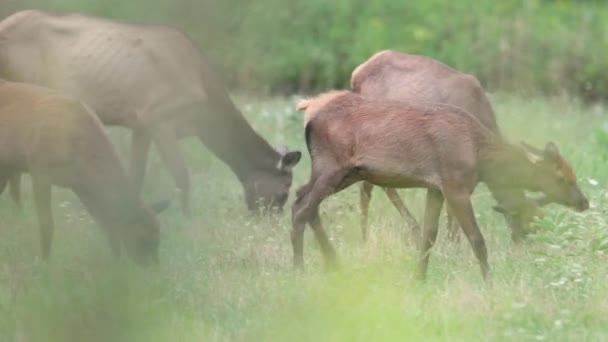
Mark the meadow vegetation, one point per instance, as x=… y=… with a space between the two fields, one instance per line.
x=225 y=275
x=528 y=46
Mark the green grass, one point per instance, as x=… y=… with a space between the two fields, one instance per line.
x=278 y=46
x=225 y=276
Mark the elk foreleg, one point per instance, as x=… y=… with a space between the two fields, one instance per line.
x=365 y=196
x=140 y=147
x=4 y=180
x=42 y=198
x=329 y=253
x=98 y=209
x=166 y=141
x=305 y=210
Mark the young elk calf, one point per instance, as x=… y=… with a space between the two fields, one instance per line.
x=59 y=141
x=437 y=147
x=397 y=76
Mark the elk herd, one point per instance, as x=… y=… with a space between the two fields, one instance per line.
x=408 y=122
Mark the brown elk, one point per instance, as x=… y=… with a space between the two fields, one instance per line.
x=153 y=80
x=397 y=76
x=438 y=147
x=59 y=141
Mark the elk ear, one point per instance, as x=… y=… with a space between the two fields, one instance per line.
x=541 y=201
x=160 y=206
x=551 y=151
x=534 y=155
x=531 y=148
x=282 y=149
x=302 y=105
x=289 y=160
x=499 y=209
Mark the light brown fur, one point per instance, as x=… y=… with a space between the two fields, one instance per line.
x=393 y=75
x=437 y=147
x=311 y=106
x=153 y=80
x=59 y=141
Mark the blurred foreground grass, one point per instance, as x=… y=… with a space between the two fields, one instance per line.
x=226 y=276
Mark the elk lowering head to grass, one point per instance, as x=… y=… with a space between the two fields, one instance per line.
x=59 y=141
x=438 y=147
x=397 y=76
x=153 y=80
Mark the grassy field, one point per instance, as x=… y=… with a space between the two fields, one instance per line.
x=225 y=276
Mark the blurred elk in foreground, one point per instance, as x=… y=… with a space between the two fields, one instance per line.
x=59 y=141
x=397 y=76
x=153 y=80
x=438 y=147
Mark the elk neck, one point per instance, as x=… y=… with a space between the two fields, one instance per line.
x=229 y=136
x=504 y=165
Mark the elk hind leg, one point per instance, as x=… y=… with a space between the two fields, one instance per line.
x=42 y=198
x=405 y=213
x=434 y=202
x=365 y=196
x=452 y=225
x=305 y=210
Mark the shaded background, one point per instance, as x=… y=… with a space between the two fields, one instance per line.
x=226 y=276
x=276 y=46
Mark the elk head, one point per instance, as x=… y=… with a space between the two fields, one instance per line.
x=554 y=176
x=142 y=235
x=269 y=188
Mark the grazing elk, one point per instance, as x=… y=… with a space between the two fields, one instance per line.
x=438 y=147
x=59 y=141
x=153 y=80
x=397 y=76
